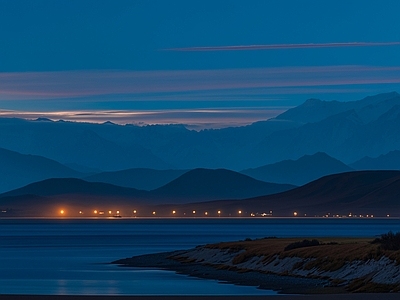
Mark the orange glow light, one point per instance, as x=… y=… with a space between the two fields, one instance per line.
x=95 y=211
x=62 y=211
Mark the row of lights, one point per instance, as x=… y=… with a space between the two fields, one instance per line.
x=100 y=212
x=350 y=215
x=295 y=214
x=193 y=212
x=62 y=212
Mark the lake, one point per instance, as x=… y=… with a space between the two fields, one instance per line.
x=71 y=256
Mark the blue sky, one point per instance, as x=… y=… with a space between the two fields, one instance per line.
x=173 y=60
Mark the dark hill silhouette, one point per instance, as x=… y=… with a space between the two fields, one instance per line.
x=139 y=178
x=389 y=161
x=361 y=192
x=45 y=197
x=83 y=169
x=298 y=172
x=73 y=186
x=206 y=184
x=20 y=169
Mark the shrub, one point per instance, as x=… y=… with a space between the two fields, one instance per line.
x=302 y=244
x=388 y=241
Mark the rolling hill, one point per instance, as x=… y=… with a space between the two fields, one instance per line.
x=206 y=184
x=140 y=178
x=298 y=172
x=72 y=186
x=359 y=193
x=193 y=186
x=47 y=197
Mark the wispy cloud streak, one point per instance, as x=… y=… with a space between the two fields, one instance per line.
x=284 y=46
x=133 y=84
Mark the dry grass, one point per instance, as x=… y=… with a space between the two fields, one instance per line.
x=330 y=255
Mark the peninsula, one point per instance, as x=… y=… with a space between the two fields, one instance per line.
x=291 y=265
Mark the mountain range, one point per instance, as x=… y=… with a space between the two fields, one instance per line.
x=347 y=131
x=388 y=161
x=317 y=145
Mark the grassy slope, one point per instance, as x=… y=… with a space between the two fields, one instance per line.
x=331 y=255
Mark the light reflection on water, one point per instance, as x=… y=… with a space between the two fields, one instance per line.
x=72 y=256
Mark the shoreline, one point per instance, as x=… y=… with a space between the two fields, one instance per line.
x=269 y=297
x=280 y=284
x=286 y=266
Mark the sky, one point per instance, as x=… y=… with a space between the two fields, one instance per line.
x=204 y=63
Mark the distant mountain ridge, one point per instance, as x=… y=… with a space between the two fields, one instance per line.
x=19 y=169
x=315 y=110
x=348 y=135
x=389 y=161
x=298 y=172
x=347 y=131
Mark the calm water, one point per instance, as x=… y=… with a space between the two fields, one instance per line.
x=71 y=256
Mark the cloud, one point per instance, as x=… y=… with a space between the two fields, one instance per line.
x=216 y=83
x=284 y=46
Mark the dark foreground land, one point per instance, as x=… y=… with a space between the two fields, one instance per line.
x=289 y=266
x=283 y=297
x=284 y=284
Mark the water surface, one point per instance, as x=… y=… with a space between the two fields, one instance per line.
x=71 y=257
